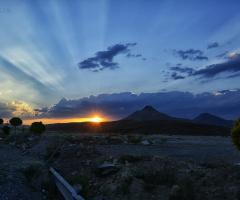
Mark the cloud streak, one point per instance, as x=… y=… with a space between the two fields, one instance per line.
x=191 y=54
x=232 y=65
x=104 y=59
x=213 y=45
x=217 y=69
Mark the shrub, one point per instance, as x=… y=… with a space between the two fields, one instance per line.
x=29 y=171
x=81 y=179
x=37 y=128
x=123 y=188
x=114 y=140
x=3 y=178
x=187 y=189
x=163 y=176
x=135 y=140
x=235 y=134
x=148 y=187
x=1 y=121
x=6 y=130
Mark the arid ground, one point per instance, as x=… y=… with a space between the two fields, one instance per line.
x=145 y=166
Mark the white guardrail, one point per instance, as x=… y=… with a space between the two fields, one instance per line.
x=65 y=188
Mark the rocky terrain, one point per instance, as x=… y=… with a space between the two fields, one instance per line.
x=120 y=166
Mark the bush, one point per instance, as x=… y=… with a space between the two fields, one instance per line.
x=81 y=179
x=1 y=121
x=6 y=130
x=135 y=140
x=123 y=188
x=148 y=187
x=37 y=128
x=235 y=134
x=29 y=171
x=163 y=176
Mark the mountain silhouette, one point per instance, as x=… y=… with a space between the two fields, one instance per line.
x=206 y=118
x=150 y=121
x=148 y=113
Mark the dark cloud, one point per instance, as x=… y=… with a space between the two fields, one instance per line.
x=234 y=75
x=213 y=45
x=129 y=55
x=223 y=55
x=5 y=111
x=232 y=65
x=104 y=59
x=224 y=104
x=43 y=110
x=210 y=71
x=191 y=54
x=187 y=70
x=200 y=58
x=175 y=76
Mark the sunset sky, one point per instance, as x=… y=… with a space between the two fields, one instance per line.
x=69 y=60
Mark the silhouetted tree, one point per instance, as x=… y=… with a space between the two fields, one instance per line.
x=235 y=133
x=37 y=128
x=1 y=121
x=15 y=121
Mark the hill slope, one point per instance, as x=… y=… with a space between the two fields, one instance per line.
x=206 y=118
x=148 y=113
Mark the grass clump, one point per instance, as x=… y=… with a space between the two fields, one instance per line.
x=187 y=189
x=114 y=140
x=135 y=140
x=123 y=188
x=163 y=176
x=148 y=187
x=30 y=170
x=81 y=179
x=3 y=177
x=76 y=140
x=130 y=158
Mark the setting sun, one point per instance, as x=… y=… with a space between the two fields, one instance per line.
x=96 y=119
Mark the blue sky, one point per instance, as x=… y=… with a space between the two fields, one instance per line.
x=56 y=53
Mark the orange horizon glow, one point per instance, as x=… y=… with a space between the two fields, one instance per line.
x=55 y=120
x=96 y=119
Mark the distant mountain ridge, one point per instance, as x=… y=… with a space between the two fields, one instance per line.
x=206 y=118
x=149 y=113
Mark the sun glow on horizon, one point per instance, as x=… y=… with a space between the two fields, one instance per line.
x=67 y=120
x=96 y=119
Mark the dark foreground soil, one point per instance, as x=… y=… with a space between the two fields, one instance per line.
x=166 y=167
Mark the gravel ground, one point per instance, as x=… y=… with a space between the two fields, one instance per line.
x=179 y=147
x=13 y=184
